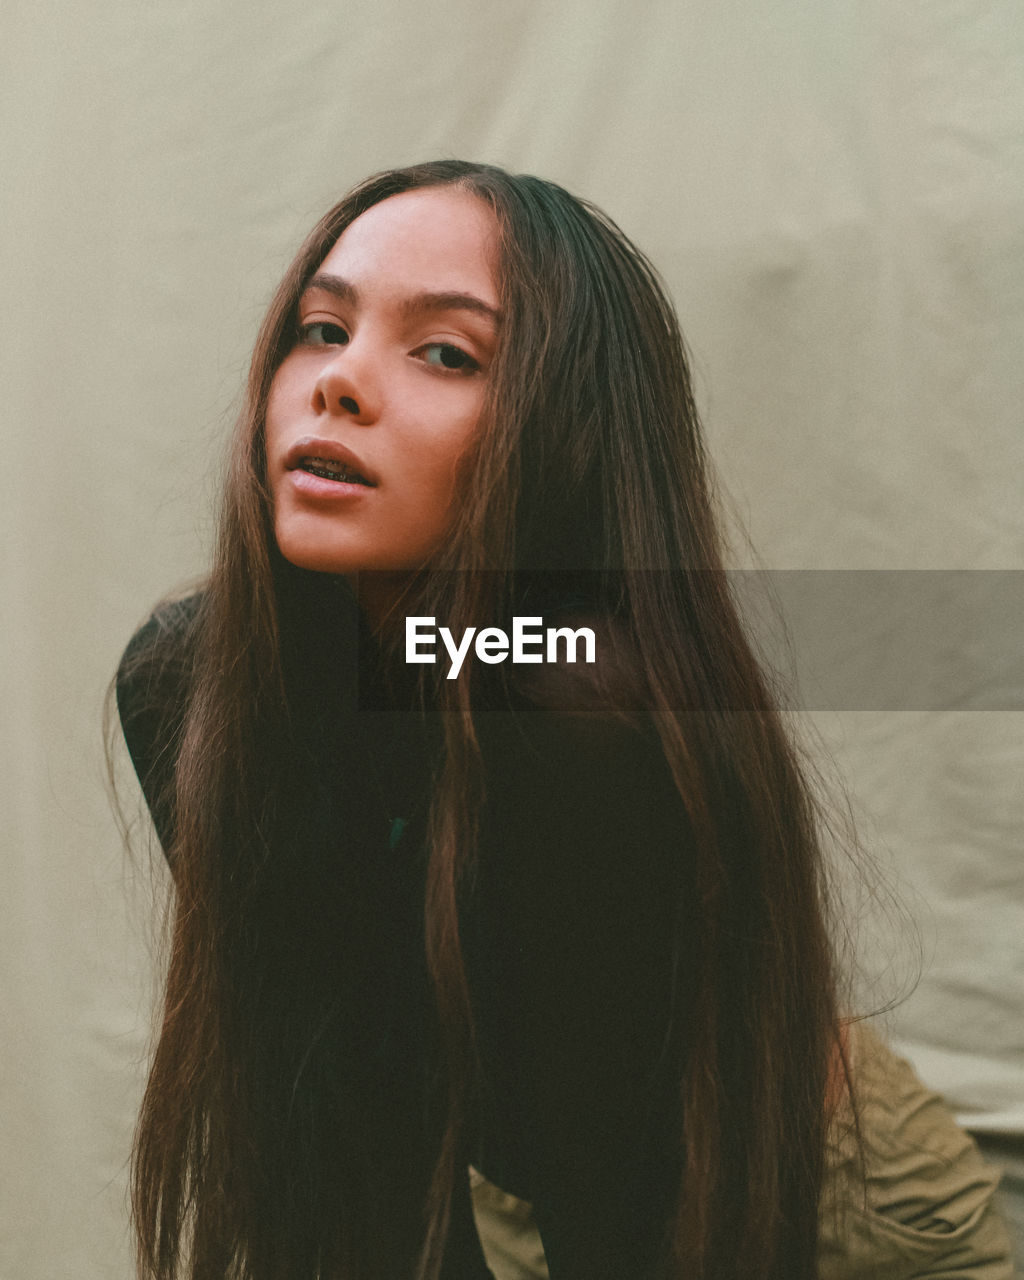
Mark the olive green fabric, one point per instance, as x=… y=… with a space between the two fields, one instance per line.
x=511 y=1242
x=921 y=1207
x=924 y=1204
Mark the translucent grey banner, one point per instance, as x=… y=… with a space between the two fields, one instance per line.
x=840 y=640
x=890 y=640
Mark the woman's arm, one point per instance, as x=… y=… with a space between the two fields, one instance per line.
x=580 y=960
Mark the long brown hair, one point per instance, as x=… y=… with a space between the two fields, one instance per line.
x=589 y=457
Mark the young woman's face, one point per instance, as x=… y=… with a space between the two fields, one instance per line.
x=371 y=410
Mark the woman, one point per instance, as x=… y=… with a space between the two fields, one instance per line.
x=563 y=921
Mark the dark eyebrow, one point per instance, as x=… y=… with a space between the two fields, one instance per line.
x=418 y=304
x=334 y=285
x=426 y=302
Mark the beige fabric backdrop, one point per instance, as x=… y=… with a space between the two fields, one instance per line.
x=834 y=193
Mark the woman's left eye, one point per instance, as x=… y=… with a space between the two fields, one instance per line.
x=323 y=333
x=447 y=356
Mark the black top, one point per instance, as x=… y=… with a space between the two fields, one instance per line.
x=577 y=930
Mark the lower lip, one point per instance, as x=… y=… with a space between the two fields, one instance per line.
x=316 y=487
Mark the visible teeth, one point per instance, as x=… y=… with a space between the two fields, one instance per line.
x=332 y=469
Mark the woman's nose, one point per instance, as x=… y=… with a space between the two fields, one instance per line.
x=346 y=385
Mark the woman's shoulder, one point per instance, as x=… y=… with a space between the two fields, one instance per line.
x=152 y=688
x=595 y=686
x=158 y=657
x=580 y=747
x=167 y=628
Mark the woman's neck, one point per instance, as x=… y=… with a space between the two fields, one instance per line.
x=381 y=595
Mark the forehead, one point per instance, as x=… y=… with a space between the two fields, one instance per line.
x=437 y=239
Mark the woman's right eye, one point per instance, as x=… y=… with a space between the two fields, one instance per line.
x=323 y=333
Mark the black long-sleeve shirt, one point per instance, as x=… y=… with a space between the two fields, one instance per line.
x=576 y=931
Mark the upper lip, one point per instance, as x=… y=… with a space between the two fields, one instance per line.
x=333 y=450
